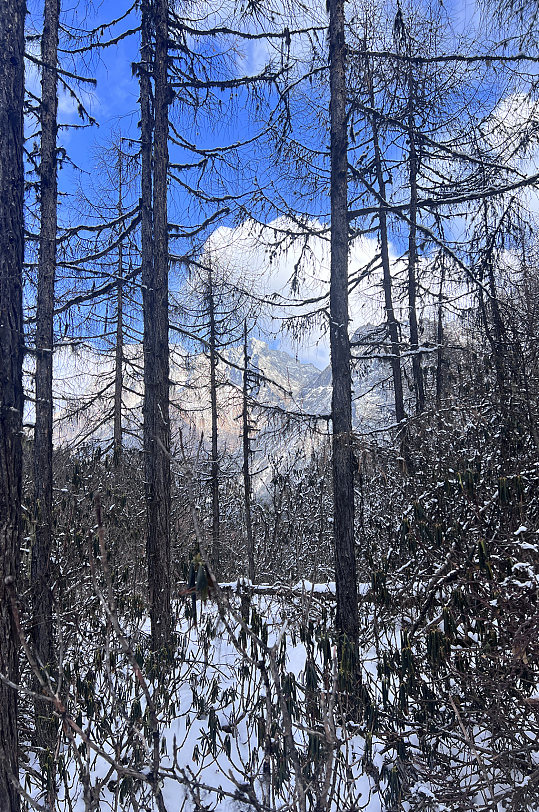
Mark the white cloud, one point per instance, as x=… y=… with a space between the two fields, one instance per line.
x=270 y=263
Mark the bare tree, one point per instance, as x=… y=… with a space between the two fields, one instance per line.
x=341 y=404
x=155 y=305
x=12 y=17
x=42 y=596
x=387 y=281
x=119 y=346
x=414 y=160
x=246 y=451
x=214 y=473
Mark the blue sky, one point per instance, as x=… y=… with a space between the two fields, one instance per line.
x=114 y=102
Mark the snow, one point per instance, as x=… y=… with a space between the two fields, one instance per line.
x=318 y=589
x=212 y=732
x=211 y=751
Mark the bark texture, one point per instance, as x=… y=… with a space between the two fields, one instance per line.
x=391 y=319
x=214 y=475
x=392 y=324
x=42 y=632
x=440 y=341
x=156 y=325
x=246 y=447
x=341 y=403
x=119 y=349
x=413 y=166
x=491 y=312
x=12 y=15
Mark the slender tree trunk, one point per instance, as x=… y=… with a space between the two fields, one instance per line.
x=156 y=341
x=496 y=336
x=119 y=350
x=246 y=460
x=440 y=342
x=42 y=597
x=12 y=16
x=413 y=162
x=347 y=621
x=392 y=323
x=214 y=475
x=147 y=274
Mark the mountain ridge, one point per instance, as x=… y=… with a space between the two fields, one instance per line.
x=84 y=377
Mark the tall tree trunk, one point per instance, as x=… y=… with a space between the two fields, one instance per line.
x=146 y=133
x=440 y=341
x=119 y=349
x=42 y=631
x=12 y=16
x=392 y=323
x=214 y=475
x=497 y=335
x=156 y=342
x=246 y=445
x=440 y=366
x=413 y=166
x=347 y=621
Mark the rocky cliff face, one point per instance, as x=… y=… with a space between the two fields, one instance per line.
x=84 y=391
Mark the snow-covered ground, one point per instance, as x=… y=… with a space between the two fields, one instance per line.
x=246 y=714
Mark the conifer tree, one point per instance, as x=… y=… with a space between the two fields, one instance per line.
x=42 y=599
x=12 y=18
x=246 y=452
x=341 y=403
x=155 y=261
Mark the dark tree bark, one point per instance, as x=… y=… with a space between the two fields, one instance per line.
x=413 y=166
x=119 y=349
x=42 y=631
x=246 y=447
x=440 y=341
x=214 y=475
x=341 y=404
x=494 y=326
x=155 y=305
x=146 y=217
x=12 y=16
x=392 y=323
x=146 y=134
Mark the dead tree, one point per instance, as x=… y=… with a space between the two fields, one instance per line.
x=12 y=16
x=119 y=347
x=214 y=474
x=246 y=449
x=414 y=160
x=387 y=282
x=42 y=631
x=341 y=403
x=154 y=134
